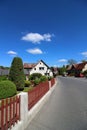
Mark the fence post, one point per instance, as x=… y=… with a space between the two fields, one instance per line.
x=24 y=108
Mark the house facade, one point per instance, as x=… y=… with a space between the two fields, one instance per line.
x=77 y=69
x=40 y=67
x=4 y=72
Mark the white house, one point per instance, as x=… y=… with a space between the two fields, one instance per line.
x=40 y=67
x=85 y=68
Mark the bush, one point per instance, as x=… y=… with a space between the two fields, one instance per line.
x=43 y=78
x=49 y=78
x=3 y=78
x=27 y=83
x=36 y=82
x=7 y=89
x=35 y=76
x=16 y=74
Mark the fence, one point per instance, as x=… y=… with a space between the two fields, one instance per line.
x=12 y=109
x=9 y=112
x=52 y=81
x=35 y=95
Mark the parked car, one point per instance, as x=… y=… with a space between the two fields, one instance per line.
x=81 y=75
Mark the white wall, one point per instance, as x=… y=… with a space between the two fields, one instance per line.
x=46 y=70
x=85 y=68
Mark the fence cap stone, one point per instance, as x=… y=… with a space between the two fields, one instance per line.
x=22 y=93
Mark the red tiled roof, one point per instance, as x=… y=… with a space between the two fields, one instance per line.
x=29 y=65
x=80 y=66
x=72 y=66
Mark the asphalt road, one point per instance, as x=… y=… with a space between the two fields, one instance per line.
x=66 y=109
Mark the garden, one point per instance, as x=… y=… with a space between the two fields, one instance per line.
x=16 y=81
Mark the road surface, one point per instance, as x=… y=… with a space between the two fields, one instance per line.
x=66 y=109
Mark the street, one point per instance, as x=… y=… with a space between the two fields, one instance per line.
x=66 y=108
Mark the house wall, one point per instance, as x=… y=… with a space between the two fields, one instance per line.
x=85 y=68
x=37 y=69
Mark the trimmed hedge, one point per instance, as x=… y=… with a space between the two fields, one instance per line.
x=43 y=78
x=7 y=89
x=35 y=76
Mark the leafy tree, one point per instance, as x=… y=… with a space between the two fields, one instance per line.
x=2 y=67
x=16 y=73
x=72 y=61
x=62 y=70
x=83 y=61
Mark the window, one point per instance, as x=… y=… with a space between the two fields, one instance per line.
x=47 y=74
x=34 y=68
x=41 y=68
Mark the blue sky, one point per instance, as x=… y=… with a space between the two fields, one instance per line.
x=52 y=30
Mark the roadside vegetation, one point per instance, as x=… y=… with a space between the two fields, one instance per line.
x=7 y=89
x=17 y=82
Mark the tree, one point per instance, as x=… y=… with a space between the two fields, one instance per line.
x=2 y=67
x=72 y=61
x=83 y=61
x=16 y=73
x=62 y=70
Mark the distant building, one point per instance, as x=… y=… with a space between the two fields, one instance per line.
x=4 y=72
x=76 y=69
x=55 y=70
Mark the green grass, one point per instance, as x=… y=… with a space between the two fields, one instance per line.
x=26 y=89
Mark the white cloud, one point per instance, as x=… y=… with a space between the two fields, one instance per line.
x=47 y=37
x=12 y=53
x=35 y=51
x=37 y=38
x=62 y=60
x=84 y=54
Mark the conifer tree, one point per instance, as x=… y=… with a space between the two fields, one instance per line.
x=16 y=73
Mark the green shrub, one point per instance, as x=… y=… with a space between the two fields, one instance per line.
x=16 y=74
x=27 y=83
x=43 y=78
x=3 y=78
x=7 y=89
x=49 y=77
x=36 y=82
x=35 y=76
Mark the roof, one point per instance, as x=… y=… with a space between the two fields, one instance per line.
x=79 y=66
x=32 y=65
x=29 y=65
x=44 y=63
x=72 y=66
